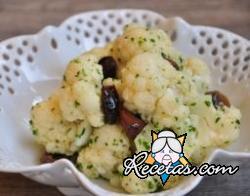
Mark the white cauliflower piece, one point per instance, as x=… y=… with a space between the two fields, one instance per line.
x=214 y=127
x=69 y=105
x=76 y=104
x=97 y=162
x=170 y=109
x=217 y=126
x=136 y=40
x=143 y=81
x=81 y=92
x=110 y=146
x=84 y=67
x=89 y=99
x=53 y=132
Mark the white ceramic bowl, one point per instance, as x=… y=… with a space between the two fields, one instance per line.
x=31 y=66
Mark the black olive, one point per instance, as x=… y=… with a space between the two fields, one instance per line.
x=219 y=99
x=110 y=104
x=109 y=66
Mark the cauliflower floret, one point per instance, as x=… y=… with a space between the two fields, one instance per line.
x=76 y=104
x=186 y=86
x=84 y=67
x=69 y=105
x=143 y=81
x=217 y=126
x=53 y=132
x=135 y=185
x=110 y=146
x=80 y=94
x=136 y=40
x=170 y=109
x=113 y=138
x=97 y=162
x=89 y=99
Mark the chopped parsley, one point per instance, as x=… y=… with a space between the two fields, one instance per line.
x=191 y=129
x=164 y=55
x=90 y=141
x=152 y=40
x=150 y=185
x=79 y=166
x=98 y=71
x=35 y=131
x=115 y=142
x=146 y=145
x=156 y=125
x=31 y=122
x=193 y=104
x=180 y=59
x=77 y=74
x=82 y=133
x=217 y=119
x=89 y=166
x=76 y=103
x=226 y=142
x=208 y=103
x=237 y=121
x=140 y=42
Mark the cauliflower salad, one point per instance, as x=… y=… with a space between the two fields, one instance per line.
x=112 y=97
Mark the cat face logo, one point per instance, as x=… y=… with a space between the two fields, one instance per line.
x=167 y=149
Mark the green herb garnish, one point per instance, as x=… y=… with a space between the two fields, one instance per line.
x=76 y=103
x=208 y=103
